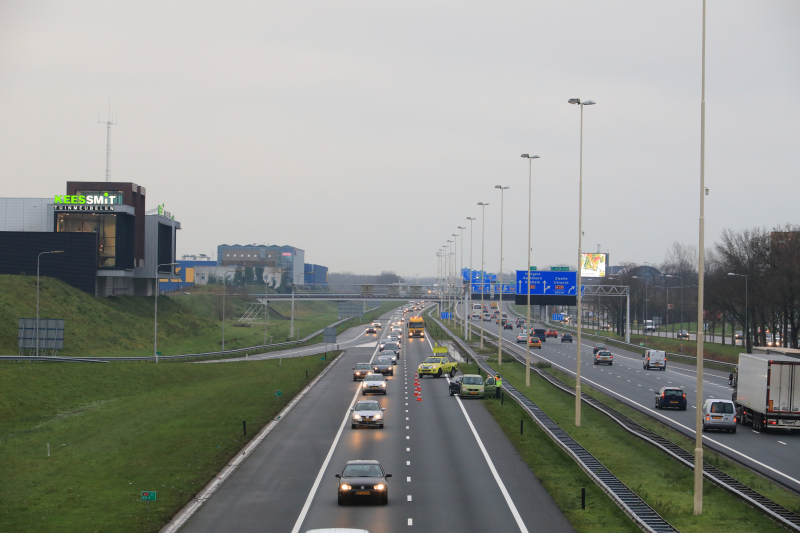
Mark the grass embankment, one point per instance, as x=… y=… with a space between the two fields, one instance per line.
x=123 y=325
x=663 y=483
x=116 y=430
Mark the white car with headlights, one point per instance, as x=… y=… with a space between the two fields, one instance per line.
x=367 y=413
x=373 y=383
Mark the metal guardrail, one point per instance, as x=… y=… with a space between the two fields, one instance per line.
x=732 y=366
x=780 y=514
x=644 y=516
x=31 y=358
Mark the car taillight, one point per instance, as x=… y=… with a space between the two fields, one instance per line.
x=663 y=396
x=684 y=395
x=708 y=418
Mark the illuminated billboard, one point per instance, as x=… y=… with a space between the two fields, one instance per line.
x=593 y=265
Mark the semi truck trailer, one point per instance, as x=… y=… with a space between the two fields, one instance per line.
x=766 y=391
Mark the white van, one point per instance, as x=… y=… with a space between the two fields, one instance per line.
x=654 y=359
x=649 y=326
x=719 y=414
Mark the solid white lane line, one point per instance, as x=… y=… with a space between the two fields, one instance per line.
x=499 y=481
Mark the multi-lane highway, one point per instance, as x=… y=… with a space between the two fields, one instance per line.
x=453 y=469
x=773 y=453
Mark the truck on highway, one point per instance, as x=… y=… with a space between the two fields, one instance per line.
x=766 y=391
x=416 y=327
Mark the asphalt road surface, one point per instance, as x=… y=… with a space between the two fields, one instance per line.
x=773 y=453
x=453 y=469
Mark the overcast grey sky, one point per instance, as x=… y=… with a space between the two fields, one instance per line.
x=365 y=132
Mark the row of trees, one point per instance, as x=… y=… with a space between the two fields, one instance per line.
x=752 y=284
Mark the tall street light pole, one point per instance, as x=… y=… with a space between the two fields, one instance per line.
x=483 y=260
x=455 y=277
x=746 y=313
x=224 y=284
x=38 y=259
x=680 y=278
x=698 y=450
x=469 y=281
x=500 y=305
x=448 y=265
x=580 y=260
x=528 y=343
x=461 y=284
x=155 y=319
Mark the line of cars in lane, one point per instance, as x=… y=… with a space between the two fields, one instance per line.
x=366 y=480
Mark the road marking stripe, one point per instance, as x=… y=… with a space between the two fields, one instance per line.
x=499 y=481
x=410 y=522
x=408 y=480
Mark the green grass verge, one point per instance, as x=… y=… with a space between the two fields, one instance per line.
x=116 y=430
x=663 y=483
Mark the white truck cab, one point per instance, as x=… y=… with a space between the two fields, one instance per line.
x=654 y=359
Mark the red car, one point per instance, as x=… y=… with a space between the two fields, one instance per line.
x=551 y=333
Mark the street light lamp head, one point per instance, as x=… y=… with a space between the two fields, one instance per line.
x=483 y=204
x=589 y=102
x=525 y=155
x=574 y=100
x=58 y=251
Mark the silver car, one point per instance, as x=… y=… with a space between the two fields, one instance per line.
x=367 y=413
x=719 y=414
x=373 y=383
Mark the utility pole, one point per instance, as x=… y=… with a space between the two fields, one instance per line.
x=108 y=124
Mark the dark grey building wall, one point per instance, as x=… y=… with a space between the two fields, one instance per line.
x=77 y=266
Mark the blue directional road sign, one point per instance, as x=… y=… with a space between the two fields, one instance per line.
x=444 y=315
x=545 y=282
x=557 y=317
x=493 y=288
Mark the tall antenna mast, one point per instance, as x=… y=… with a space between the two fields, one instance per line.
x=108 y=124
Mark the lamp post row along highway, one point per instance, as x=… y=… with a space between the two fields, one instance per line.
x=461 y=282
x=528 y=340
x=469 y=281
x=698 y=449
x=500 y=304
x=580 y=264
x=38 y=259
x=483 y=260
x=155 y=320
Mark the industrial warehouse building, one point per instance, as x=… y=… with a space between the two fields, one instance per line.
x=111 y=244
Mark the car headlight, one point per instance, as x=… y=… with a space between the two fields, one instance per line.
x=363 y=383
x=345 y=487
x=383 y=383
x=380 y=486
x=356 y=417
x=377 y=417
x=375 y=368
x=358 y=373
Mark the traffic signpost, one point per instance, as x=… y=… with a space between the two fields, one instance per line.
x=148 y=496
x=559 y=269
x=440 y=349
x=277 y=393
x=543 y=282
x=558 y=317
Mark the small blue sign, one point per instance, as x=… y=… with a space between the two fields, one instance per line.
x=444 y=315
x=558 y=317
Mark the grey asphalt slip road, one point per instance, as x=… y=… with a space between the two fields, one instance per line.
x=773 y=453
x=349 y=338
x=451 y=487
